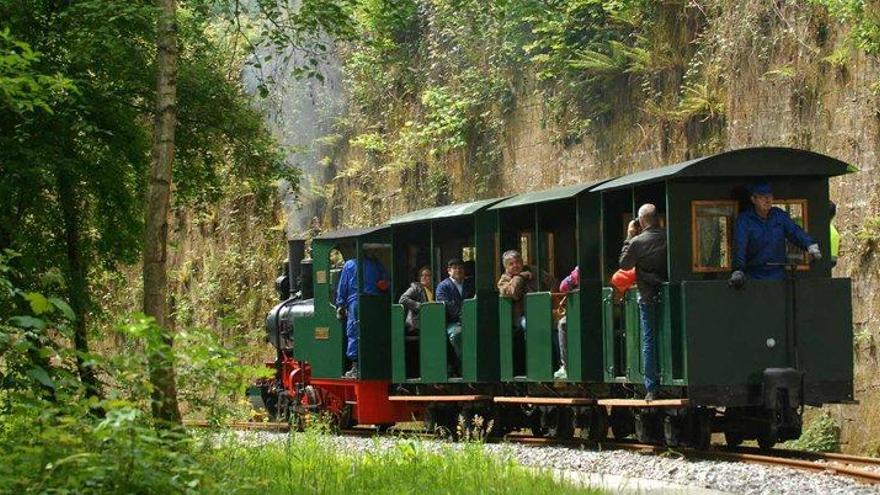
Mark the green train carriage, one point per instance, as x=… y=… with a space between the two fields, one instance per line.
x=741 y=362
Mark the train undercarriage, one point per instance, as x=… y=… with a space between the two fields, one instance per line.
x=569 y=411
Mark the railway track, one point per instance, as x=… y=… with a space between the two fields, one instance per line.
x=863 y=469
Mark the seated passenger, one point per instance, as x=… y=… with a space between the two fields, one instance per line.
x=517 y=281
x=418 y=293
x=452 y=292
x=375 y=282
x=759 y=250
x=568 y=284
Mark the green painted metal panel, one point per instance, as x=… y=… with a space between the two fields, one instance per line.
x=487 y=336
x=670 y=338
x=505 y=338
x=469 y=341
x=591 y=338
x=320 y=339
x=824 y=338
x=720 y=318
x=321 y=342
x=441 y=212
x=608 y=336
x=635 y=368
x=539 y=337
x=749 y=162
x=432 y=342
x=621 y=336
x=374 y=343
x=398 y=343
x=664 y=336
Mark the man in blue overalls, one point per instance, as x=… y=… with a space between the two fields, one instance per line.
x=759 y=237
x=375 y=282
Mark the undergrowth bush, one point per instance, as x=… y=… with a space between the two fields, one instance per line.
x=822 y=435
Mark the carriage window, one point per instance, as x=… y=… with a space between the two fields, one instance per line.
x=337 y=259
x=525 y=248
x=549 y=261
x=468 y=253
x=712 y=231
x=797 y=210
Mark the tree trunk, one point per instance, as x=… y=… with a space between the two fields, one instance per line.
x=165 y=408
x=77 y=283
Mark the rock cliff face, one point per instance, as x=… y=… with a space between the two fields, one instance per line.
x=779 y=80
x=832 y=111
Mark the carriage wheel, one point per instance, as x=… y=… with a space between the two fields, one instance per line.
x=559 y=423
x=622 y=422
x=599 y=425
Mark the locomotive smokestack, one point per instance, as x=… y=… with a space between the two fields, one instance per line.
x=306 y=285
x=296 y=250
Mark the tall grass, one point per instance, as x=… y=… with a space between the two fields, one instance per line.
x=313 y=463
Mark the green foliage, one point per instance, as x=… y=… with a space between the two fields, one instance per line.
x=212 y=379
x=30 y=326
x=822 y=435
x=433 y=83
x=22 y=88
x=73 y=170
x=446 y=123
x=863 y=19
x=700 y=100
x=577 y=48
x=870 y=231
x=51 y=440
x=310 y=463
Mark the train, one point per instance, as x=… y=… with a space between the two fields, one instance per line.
x=742 y=363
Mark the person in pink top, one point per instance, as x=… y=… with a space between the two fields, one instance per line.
x=570 y=283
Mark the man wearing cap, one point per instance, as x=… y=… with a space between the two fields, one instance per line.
x=452 y=292
x=759 y=237
x=375 y=282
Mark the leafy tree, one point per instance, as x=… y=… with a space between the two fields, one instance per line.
x=76 y=98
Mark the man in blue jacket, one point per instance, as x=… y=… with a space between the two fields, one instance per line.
x=452 y=292
x=375 y=282
x=759 y=237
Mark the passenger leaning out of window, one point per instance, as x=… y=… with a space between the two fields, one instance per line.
x=419 y=292
x=759 y=250
x=517 y=281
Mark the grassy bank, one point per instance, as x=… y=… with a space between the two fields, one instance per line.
x=42 y=451
x=311 y=463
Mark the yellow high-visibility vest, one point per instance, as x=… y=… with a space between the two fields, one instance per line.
x=835 y=242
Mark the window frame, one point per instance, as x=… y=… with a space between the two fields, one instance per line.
x=805 y=204
x=695 y=235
